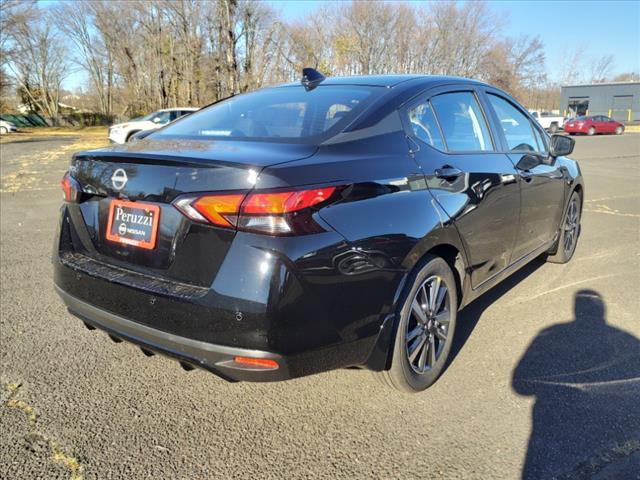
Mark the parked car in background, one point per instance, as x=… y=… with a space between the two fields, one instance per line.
x=548 y=121
x=7 y=127
x=302 y=228
x=593 y=124
x=122 y=132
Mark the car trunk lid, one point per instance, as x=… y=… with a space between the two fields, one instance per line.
x=154 y=174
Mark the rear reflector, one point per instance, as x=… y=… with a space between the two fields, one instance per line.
x=264 y=363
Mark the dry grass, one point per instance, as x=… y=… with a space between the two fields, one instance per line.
x=43 y=171
x=25 y=134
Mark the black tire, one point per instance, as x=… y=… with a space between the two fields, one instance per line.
x=567 y=242
x=553 y=128
x=429 y=341
x=591 y=131
x=619 y=130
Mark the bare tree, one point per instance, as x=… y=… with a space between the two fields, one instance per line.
x=626 y=77
x=141 y=55
x=92 y=52
x=39 y=64
x=461 y=38
x=571 y=68
x=12 y=14
x=260 y=38
x=600 y=68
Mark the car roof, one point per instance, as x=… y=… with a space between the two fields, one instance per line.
x=389 y=81
x=177 y=108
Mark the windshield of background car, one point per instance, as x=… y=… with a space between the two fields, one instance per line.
x=288 y=114
x=146 y=118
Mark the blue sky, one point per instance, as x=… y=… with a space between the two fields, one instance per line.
x=602 y=27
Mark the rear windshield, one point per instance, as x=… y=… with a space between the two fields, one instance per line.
x=278 y=114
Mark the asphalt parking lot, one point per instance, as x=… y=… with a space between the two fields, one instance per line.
x=545 y=381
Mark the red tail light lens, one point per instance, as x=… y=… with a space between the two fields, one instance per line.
x=275 y=213
x=285 y=202
x=70 y=188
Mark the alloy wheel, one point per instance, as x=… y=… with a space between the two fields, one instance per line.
x=428 y=325
x=571 y=227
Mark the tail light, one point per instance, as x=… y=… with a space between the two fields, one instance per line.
x=70 y=188
x=273 y=213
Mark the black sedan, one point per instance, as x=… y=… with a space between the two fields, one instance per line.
x=335 y=223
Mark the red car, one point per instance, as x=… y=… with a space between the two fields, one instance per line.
x=592 y=125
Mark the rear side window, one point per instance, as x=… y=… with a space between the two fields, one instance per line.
x=462 y=122
x=424 y=125
x=517 y=128
x=278 y=114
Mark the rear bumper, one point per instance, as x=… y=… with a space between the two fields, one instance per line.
x=301 y=310
x=218 y=359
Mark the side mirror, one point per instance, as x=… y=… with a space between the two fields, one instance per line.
x=156 y=120
x=561 y=145
x=529 y=162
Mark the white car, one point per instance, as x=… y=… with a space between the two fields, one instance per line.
x=548 y=121
x=122 y=132
x=6 y=127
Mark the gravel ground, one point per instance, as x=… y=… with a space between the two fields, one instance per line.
x=545 y=380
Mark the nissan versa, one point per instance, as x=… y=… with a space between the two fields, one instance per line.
x=331 y=223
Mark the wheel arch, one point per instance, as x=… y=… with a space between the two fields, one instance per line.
x=131 y=134
x=444 y=242
x=454 y=258
x=453 y=254
x=579 y=189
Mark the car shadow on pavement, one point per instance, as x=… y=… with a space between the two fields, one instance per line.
x=585 y=377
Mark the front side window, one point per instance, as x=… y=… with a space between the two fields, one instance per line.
x=278 y=114
x=462 y=122
x=542 y=146
x=424 y=125
x=517 y=128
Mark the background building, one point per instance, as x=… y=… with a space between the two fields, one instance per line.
x=620 y=101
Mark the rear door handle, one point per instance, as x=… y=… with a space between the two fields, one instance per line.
x=448 y=172
x=507 y=178
x=525 y=175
